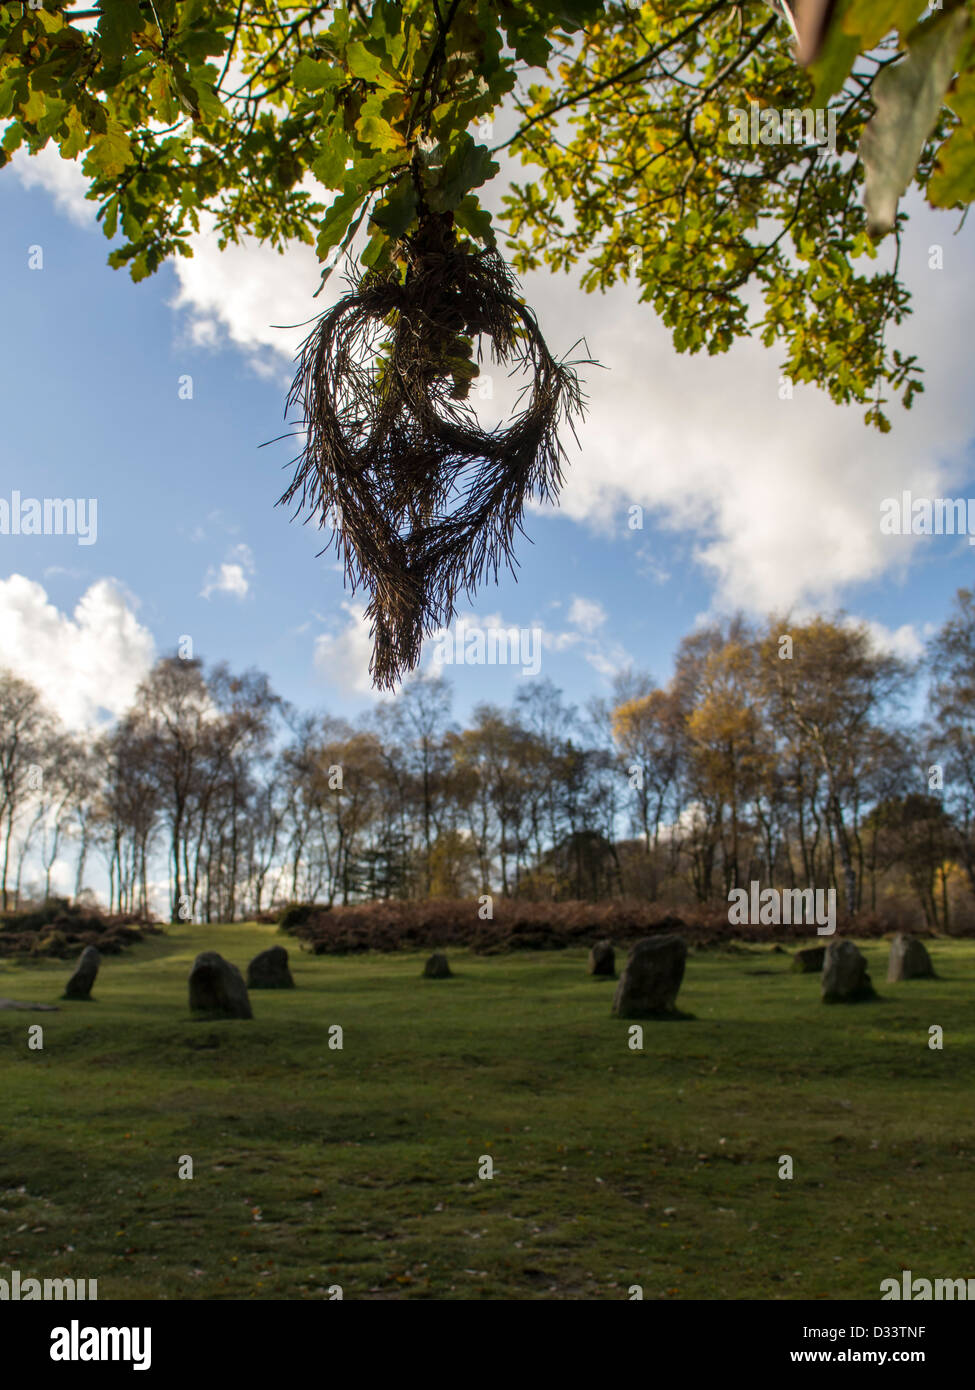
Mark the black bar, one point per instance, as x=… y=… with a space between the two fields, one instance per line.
x=277 y=1337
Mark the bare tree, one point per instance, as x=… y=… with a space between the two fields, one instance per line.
x=26 y=730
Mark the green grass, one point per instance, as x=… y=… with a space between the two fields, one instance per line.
x=315 y=1167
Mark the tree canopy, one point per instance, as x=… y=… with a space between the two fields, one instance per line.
x=309 y=121
x=790 y=753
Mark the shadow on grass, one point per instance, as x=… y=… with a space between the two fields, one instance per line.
x=204 y=1016
x=658 y=1016
x=871 y=998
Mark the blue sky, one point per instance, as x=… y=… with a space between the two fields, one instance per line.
x=748 y=500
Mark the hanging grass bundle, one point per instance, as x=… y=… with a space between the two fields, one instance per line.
x=424 y=500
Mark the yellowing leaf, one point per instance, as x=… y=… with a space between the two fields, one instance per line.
x=34 y=107
x=953 y=181
x=872 y=20
x=109 y=153
x=374 y=131
x=364 y=64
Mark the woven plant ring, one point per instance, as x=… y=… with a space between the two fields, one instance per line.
x=427 y=502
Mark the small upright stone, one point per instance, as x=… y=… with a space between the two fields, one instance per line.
x=909 y=959
x=602 y=959
x=217 y=987
x=437 y=967
x=269 y=970
x=809 y=961
x=651 y=978
x=79 y=986
x=845 y=978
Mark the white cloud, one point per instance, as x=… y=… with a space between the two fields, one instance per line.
x=604 y=655
x=561 y=641
x=242 y=292
x=587 y=617
x=236 y=295
x=905 y=641
x=609 y=658
x=82 y=664
x=779 y=499
x=343 y=658
x=232 y=577
x=228 y=579
x=587 y=614
x=61 y=178
x=214 y=521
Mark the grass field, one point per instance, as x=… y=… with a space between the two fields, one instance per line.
x=315 y=1167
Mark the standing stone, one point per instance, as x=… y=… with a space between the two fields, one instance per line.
x=809 y=961
x=845 y=978
x=651 y=978
x=602 y=959
x=217 y=987
x=909 y=959
x=269 y=970
x=79 y=986
x=436 y=967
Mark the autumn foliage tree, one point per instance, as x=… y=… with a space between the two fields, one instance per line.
x=783 y=752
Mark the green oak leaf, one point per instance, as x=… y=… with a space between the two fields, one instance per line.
x=376 y=251
x=364 y=64
x=336 y=221
x=471 y=217
x=50 y=122
x=834 y=64
x=467 y=166
x=210 y=105
x=312 y=75
x=398 y=209
x=329 y=166
x=120 y=19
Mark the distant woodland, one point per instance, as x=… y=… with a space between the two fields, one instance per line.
x=795 y=754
